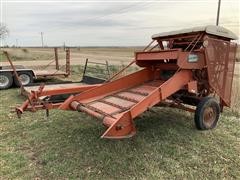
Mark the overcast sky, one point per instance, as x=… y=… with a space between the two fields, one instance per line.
x=108 y=23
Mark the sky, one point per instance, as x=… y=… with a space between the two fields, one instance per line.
x=108 y=23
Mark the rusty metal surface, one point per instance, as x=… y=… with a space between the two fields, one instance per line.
x=119 y=108
x=157 y=55
x=121 y=101
x=220 y=60
x=36 y=96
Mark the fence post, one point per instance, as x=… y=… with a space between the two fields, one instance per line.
x=85 y=67
x=108 y=72
x=56 y=58
x=68 y=61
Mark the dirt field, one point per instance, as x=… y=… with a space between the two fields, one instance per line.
x=39 y=56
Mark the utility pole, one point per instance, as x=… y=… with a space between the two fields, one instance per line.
x=42 y=39
x=16 y=43
x=218 y=12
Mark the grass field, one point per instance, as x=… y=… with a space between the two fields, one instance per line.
x=67 y=145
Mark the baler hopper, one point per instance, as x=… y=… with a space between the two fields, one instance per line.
x=184 y=69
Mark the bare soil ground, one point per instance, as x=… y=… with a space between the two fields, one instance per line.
x=39 y=56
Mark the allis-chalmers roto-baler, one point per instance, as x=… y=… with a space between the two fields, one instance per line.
x=184 y=69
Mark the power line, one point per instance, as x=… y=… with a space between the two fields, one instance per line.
x=117 y=11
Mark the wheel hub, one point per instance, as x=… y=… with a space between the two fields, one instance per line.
x=209 y=116
x=25 y=79
x=3 y=81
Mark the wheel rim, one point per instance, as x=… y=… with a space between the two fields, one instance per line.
x=209 y=116
x=4 y=81
x=25 y=79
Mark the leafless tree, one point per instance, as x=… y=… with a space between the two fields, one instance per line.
x=3 y=31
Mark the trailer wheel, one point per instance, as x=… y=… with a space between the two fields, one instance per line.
x=207 y=113
x=25 y=78
x=6 y=80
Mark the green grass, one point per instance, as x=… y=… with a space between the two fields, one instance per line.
x=97 y=71
x=67 y=146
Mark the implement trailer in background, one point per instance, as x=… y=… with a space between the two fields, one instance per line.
x=26 y=76
x=44 y=73
x=186 y=67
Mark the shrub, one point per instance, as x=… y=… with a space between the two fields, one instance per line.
x=25 y=50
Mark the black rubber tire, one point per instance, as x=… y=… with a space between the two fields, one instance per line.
x=9 y=76
x=206 y=102
x=29 y=74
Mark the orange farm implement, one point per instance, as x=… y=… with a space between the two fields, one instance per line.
x=190 y=69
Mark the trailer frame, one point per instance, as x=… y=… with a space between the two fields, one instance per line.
x=11 y=72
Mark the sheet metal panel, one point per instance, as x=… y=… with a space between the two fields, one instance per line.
x=220 y=60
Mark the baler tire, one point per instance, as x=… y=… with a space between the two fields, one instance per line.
x=28 y=75
x=8 y=77
x=207 y=113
